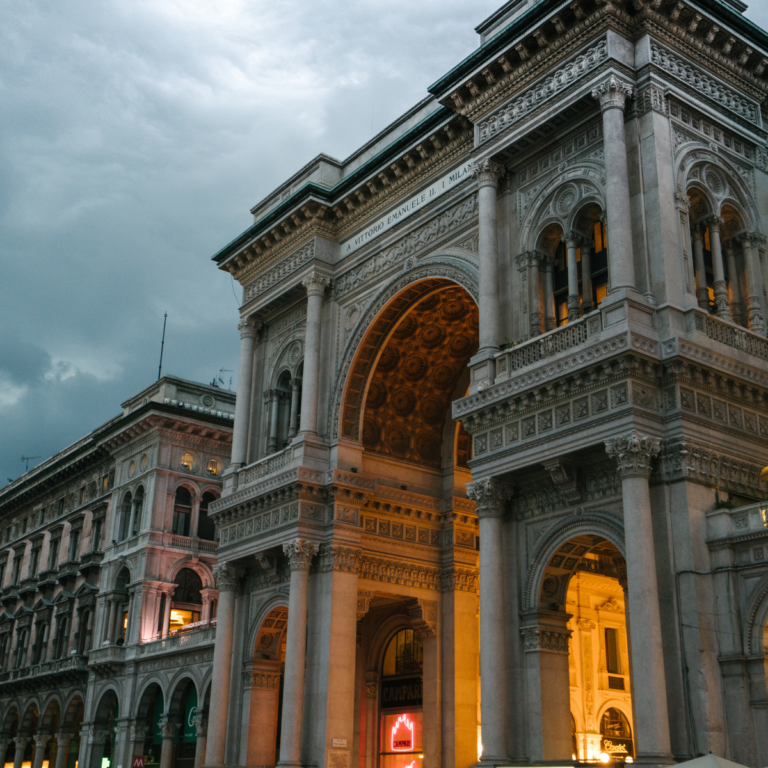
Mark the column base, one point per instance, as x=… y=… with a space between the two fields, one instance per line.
x=310 y=450
x=482 y=369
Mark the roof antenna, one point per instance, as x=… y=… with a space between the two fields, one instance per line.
x=162 y=344
x=28 y=459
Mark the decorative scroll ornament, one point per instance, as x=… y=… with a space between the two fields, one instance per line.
x=490 y=496
x=300 y=553
x=633 y=454
x=227 y=577
x=316 y=283
x=487 y=172
x=612 y=93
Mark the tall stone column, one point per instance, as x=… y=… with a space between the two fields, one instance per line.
x=137 y=735
x=228 y=578
x=293 y=424
x=315 y=283
x=586 y=275
x=750 y=244
x=300 y=553
x=41 y=742
x=488 y=174
x=534 y=302
x=633 y=455
x=63 y=739
x=700 y=272
x=490 y=496
x=108 y=622
x=264 y=697
x=612 y=95
x=734 y=292
x=274 y=415
x=722 y=305
x=201 y=732
x=21 y=745
x=548 y=267
x=169 y=731
x=248 y=330
x=572 y=242
x=371 y=721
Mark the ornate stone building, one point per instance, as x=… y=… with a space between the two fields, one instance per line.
x=109 y=603
x=504 y=384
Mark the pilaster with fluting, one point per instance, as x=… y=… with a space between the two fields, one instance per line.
x=315 y=284
x=248 y=330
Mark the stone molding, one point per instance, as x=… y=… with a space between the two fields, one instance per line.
x=227 y=577
x=335 y=557
x=372 y=690
x=612 y=93
x=488 y=172
x=423 y=615
x=418 y=240
x=490 y=496
x=538 y=639
x=399 y=572
x=633 y=453
x=283 y=269
x=364 y=598
x=564 y=477
x=300 y=553
x=264 y=680
x=459 y=580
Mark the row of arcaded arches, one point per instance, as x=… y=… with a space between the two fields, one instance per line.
x=34 y=716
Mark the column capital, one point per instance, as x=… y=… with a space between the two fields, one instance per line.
x=754 y=239
x=487 y=172
x=490 y=496
x=42 y=739
x=372 y=690
x=633 y=453
x=268 y=680
x=316 y=283
x=21 y=741
x=543 y=639
x=63 y=738
x=682 y=201
x=612 y=93
x=530 y=259
x=423 y=615
x=248 y=328
x=300 y=553
x=714 y=223
x=227 y=576
x=168 y=728
x=200 y=721
x=138 y=732
x=573 y=239
x=335 y=557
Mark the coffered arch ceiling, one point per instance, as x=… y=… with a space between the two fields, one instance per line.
x=416 y=371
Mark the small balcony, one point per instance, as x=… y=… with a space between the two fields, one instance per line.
x=192 y=544
x=9 y=595
x=108 y=657
x=28 y=587
x=47 y=579
x=90 y=561
x=67 y=671
x=68 y=571
x=194 y=638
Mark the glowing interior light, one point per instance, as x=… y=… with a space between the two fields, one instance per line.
x=628 y=760
x=402 y=735
x=605 y=757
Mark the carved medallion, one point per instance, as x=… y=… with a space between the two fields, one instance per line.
x=398 y=439
x=432 y=336
x=388 y=360
x=403 y=401
x=377 y=395
x=415 y=367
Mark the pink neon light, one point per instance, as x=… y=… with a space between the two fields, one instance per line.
x=401 y=745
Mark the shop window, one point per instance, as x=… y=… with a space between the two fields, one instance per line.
x=617 y=735
x=401 y=702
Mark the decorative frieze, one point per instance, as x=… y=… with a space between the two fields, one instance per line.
x=285 y=268
x=273 y=520
x=400 y=572
x=537 y=639
x=300 y=553
x=548 y=88
x=264 y=680
x=633 y=453
x=335 y=557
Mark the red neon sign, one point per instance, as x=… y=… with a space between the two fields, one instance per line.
x=402 y=734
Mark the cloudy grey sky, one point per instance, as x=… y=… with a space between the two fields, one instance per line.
x=135 y=135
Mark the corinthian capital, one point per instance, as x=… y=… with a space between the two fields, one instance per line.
x=227 y=576
x=714 y=223
x=633 y=453
x=248 y=327
x=300 y=553
x=612 y=93
x=487 y=172
x=316 y=283
x=490 y=496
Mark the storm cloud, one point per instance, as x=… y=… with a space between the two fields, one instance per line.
x=134 y=138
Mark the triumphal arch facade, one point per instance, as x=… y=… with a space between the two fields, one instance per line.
x=502 y=411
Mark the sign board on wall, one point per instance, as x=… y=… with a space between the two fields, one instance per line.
x=405 y=692
x=405 y=209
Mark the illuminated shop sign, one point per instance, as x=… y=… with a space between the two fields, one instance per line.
x=617 y=747
x=401 y=693
x=402 y=735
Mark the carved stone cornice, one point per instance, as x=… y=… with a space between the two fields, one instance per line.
x=612 y=93
x=490 y=496
x=459 y=580
x=488 y=172
x=633 y=454
x=335 y=557
x=227 y=577
x=269 y=681
x=540 y=639
x=400 y=572
x=300 y=553
x=423 y=615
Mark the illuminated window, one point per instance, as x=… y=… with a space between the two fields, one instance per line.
x=602 y=292
x=617 y=735
x=612 y=655
x=404 y=654
x=213 y=467
x=187 y=461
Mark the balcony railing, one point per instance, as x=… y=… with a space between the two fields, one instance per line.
x=728 y=523
x=74 y=663
x=551 y=343
x=732 y=335
x=264 y=467
x=198 y=545
x=196 y=637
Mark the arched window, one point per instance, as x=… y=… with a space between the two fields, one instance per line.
x=617 y=734
x=404 y=655
x=125 y=517
x=182 y=512
x=187 y=600
x=206 y=528
x=138 y=510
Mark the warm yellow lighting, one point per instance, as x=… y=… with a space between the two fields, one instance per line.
x=45 y=764
x=605 y=757
x=27 y=764
x=628 y=759
x=421 y=757
x=213 y=467
x=8 y=765
x=187 y=461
